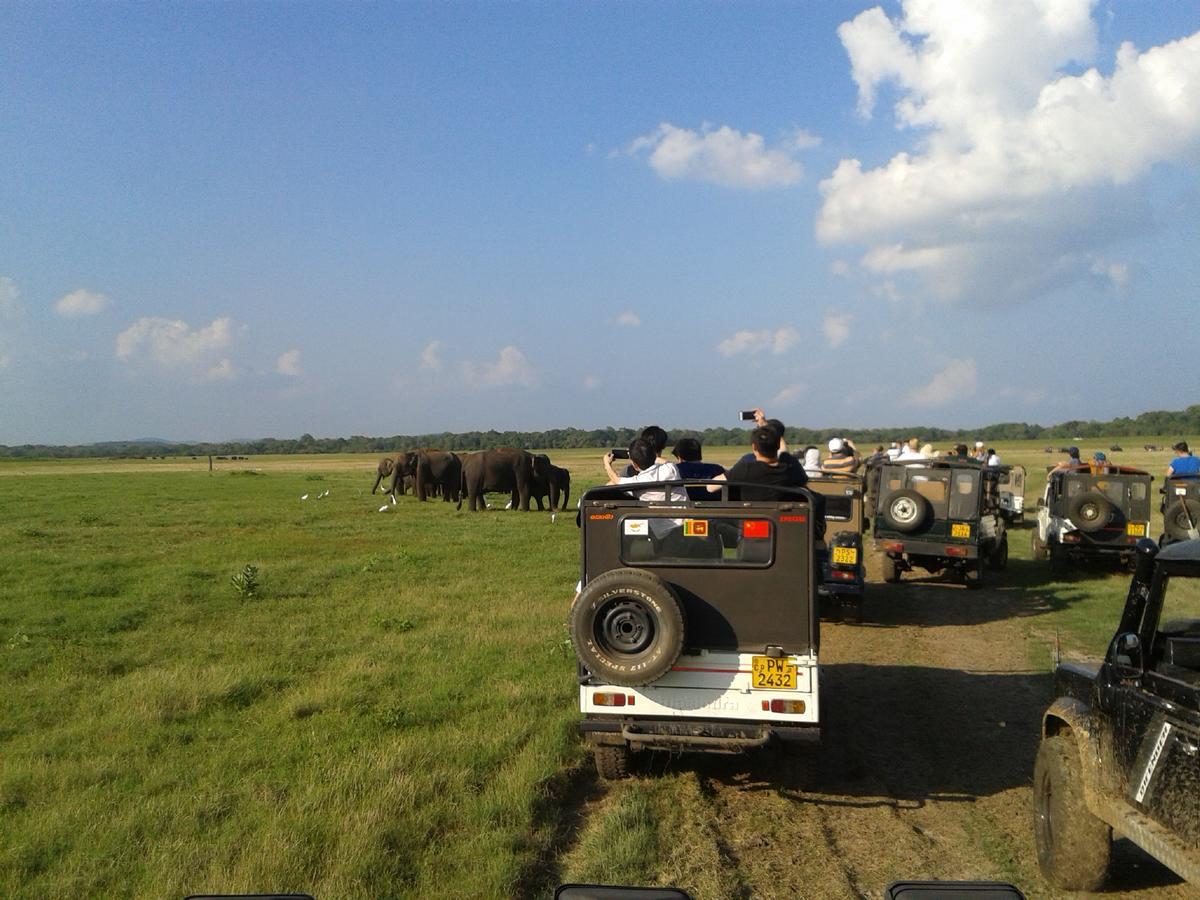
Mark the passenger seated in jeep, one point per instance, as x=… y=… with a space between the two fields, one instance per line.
x=687 y=453
x=1184 y=465
x=643 y=459
x=766 y=466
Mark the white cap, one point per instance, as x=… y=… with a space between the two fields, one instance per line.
x=835 y=445
x=979 y=443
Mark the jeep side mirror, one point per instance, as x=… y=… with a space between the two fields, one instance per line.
x=1128 y=648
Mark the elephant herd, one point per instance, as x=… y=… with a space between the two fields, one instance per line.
x=519 y=473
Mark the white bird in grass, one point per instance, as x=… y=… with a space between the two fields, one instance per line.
x=383 y=508
x=305 y=497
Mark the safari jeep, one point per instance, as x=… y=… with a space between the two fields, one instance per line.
x=843 y=570
x=1089 y=517
x=939 y=514
x=695 y=627
x=1181 y=510
x=1011 y=492
x=1120 y=746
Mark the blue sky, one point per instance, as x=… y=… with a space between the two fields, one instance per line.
x=222 y=221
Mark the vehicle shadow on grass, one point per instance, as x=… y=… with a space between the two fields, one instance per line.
x=1025 y=588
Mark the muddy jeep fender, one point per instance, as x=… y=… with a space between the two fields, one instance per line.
x=1069 y=715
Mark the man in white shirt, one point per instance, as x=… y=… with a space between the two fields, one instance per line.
x=910 y=451
x=993 y=458
x=642 y=457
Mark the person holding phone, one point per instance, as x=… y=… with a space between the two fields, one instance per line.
x=643 y=458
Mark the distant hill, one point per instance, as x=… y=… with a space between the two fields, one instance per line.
x=1157 y=422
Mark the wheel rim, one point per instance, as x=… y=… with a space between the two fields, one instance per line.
x=1090 y=512
x=904 y=510
x=625 y=626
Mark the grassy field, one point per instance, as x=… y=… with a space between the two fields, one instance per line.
x=387 y=711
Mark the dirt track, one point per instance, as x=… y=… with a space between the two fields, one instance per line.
x=932 y=716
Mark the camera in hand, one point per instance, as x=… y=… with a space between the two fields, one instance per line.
x=747 y=415
x=619 y=453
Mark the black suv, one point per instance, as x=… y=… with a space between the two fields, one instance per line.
x=1089 y=516
x=1121 y=743
x=939 y=514
x=1180 y=509
x=695 y=627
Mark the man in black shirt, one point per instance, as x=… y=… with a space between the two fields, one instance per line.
x=767 y=467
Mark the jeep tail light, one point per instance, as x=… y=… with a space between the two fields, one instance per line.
x=894 y=548
x=601 y=698
x=842 y=574
x=756 y=528
x=787 y=706
x=956 y=551
x=1070 y=538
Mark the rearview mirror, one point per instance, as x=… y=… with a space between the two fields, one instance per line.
x=1128 y=648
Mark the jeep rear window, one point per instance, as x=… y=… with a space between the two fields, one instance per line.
x=964 y=501
x=714 y=541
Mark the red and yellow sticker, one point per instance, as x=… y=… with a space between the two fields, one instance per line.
x=695 y=527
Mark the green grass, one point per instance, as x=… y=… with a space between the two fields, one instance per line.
x=375 y=721
x=390 y=713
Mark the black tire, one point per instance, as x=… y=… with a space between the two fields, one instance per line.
x=1073 y=846
x=1175 y=518
x=612 y=761
x=627 y=626
x=998 y=558
x=1038 y=547
x=1090 y=512
x=973 y=573
x=905 y=511
x=891 y=571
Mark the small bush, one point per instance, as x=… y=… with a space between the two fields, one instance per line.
x=245 y=582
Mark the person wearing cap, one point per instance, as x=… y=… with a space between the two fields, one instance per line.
x=843 y=457
x=1098 y=464
x=1184 y=465
x=894 y=450
x=980 y=454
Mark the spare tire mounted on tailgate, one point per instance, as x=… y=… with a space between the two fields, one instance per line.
x=627 y=626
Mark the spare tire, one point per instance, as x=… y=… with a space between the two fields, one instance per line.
x=1090 y=511
x=627 y=626
x=1175 y=519
x=905 y=510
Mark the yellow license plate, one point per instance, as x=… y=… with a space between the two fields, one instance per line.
x=845 y=555
x=770 y=673
x=1136 y=529
x=960 y=530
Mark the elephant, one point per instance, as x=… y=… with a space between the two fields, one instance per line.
x=382 y=471
x=404 y=473
x=549 y=481
x=501 y=471
x=438 y=468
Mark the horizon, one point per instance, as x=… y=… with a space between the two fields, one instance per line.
x=428 y=218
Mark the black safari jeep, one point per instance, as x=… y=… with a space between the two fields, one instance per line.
x=695 y=627
x=939 y=514
x=843 y=569
x=1181 y=510
x=1091 y=516
x=1120 y=745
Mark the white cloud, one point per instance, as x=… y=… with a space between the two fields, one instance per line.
x=511 y=367
x=1018 y=171
x=9 y=298
x=629 y=318
x=288 y=363
x=836 y=327
x=778 y=341
x=788 y=394
x=723 y=156
x=958 y=380
x=222 y=371
x=591 y=382
x=80 y=303
x=171 y=344
x=431 y=358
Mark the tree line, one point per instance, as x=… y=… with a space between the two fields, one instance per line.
x=1156 y=422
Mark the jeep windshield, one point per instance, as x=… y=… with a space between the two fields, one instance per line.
x=952 y=492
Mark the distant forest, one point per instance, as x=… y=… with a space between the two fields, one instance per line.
x=1157 y=422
